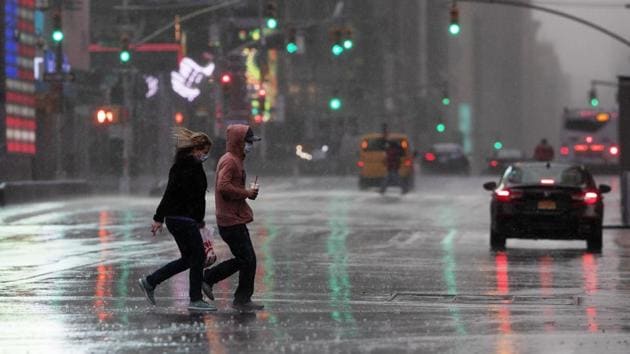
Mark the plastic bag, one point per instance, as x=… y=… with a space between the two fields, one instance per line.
x=207 y=234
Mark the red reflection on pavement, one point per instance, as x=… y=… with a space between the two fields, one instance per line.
x=104 y=273
x=546 y=289
x=589 y=267
x=503 y=282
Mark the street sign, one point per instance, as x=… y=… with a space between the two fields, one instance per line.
x=58 y=77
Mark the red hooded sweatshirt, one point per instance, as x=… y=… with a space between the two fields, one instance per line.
x=230 y=194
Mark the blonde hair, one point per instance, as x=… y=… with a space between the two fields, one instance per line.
x=185 y=139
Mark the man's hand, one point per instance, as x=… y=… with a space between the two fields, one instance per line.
x=252 y=194
x=155 y=227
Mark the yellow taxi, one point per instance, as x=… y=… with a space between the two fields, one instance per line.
x=372 y=167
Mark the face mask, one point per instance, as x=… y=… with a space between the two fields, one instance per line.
x=203 y=158
x=248 y=148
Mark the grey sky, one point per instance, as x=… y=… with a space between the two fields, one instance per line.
x=585 y=53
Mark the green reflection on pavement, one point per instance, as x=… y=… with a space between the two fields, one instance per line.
x=449 y=268
x=338 y=278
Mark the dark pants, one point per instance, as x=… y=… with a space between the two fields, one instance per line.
x=392 y=179
x=188 y=238
x=244 y=262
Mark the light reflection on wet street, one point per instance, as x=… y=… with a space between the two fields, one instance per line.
x=339 y=270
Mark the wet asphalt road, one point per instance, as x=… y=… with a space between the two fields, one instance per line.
x=339 y=270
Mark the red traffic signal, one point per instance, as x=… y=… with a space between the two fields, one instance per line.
x=226 y=79
x=179 y=118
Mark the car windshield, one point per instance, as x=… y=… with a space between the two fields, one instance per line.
x=569 y=176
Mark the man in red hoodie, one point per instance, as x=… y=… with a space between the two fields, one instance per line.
x=233 y=214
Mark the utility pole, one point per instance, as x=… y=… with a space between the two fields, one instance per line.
x=262 y=48
x=127 y=133
x=57 y=88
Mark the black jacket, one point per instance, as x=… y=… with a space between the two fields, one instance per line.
x=185 y=191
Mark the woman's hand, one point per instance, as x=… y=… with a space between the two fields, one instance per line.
x=155 y=227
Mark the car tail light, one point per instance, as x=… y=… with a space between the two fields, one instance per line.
x=494 y=163
x=429 y=156
x=361 y=164
x=364 y=144
x=580 y=147
x=547 y=181
x=589 y=139
x=613 y=150
x=588 y=198
x=598 y=147
x=408 y=162
x=506 y=195
x=564 y=150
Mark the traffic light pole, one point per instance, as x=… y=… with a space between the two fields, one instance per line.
x=582 y=21
x=125 y=180
x=58 y=90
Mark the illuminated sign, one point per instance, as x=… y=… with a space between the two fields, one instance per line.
x=186 y=81
x=18 y=88
x=153 y=84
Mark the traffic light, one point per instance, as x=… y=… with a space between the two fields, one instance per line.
x=446 y=100
x=440 y=127
x=179 y=118
x=271 y=16
x=498 y=145
x=106 y=115
x=292 y=46
x=337 y=47
x=124 y=55
x=592 y=97
x=347 y=39
x=335 y=103
x=454 y=27
x=57 y=31
x=226 y=87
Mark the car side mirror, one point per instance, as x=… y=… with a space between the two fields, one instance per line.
x=490 y=186
x=604 y=188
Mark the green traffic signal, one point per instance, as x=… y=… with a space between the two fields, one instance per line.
x=337 y=49
x=440 y=128
x=334 y=103
x=594 y=102
x=292 y=47
x=446 y=101
x=272 y=23
x=348 y=44
x=125 y=56
x=454 y=28
x=498 y=145
x=57 y=35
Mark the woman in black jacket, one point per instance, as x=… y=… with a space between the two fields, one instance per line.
x=183 y=207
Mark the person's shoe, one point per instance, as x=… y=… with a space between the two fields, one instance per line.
x=147 y=290
x=247 y=306
x=201 y=305
x=207 y=290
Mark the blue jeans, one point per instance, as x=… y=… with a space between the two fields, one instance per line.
x=186 y=234
x=244 y=262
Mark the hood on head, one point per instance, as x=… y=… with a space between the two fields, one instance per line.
x=235 y=138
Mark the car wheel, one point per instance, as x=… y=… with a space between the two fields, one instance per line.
x=594 y=241
x=497 y=241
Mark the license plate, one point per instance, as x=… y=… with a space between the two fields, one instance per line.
x=547 y=205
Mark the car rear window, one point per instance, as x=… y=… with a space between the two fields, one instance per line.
x=571 y=176
x=378 y=144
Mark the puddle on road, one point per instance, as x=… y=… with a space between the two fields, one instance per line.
x=559 y=300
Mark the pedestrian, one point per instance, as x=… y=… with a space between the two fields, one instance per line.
x=393 y=154
x=183 y=208
x=233 y=214
x=543 y=151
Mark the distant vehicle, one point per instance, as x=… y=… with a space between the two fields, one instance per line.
x=501 y=159
x=372 y=168
x=589 y=137
x=546 y=200
x=445 y=158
